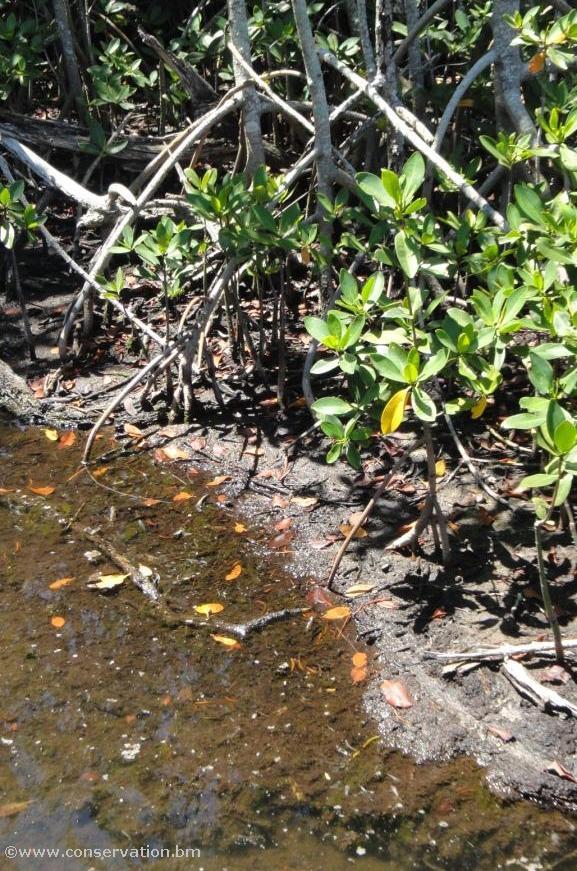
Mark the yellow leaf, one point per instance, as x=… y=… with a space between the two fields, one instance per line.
x=61 y=582
x=108 y=582
x=341 y=612
x=231 y=643
x=208 y=609
x=234 y=573
x=13 y=808
x=220 y=479
x=479 y=407
x=57 y=622
x=394 y=411
x=440 y=468
x=239 y=527
x=182 y=496
x=41 y=491
x=358 y=590
x=51 y=435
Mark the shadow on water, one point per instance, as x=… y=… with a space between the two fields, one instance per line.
x=117 y=733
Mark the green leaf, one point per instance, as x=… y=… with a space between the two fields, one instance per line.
x=565 y=436
x=406 y=256
x=435 y=364
x=413 y=175
x=541 y=374
x=539 y=480
x=523 y=421
x=372 y=185
x=321 y=367
x=530 y=203
x=563 y=490
x=331 y=405
x=387 y=368
x=423 y=406
x=317 y=328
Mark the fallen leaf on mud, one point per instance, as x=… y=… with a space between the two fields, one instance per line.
x=360 y=659
x=304 y=501
x=265 y=403
x=67 y=440
x=345 y=530
x=560 y=770
x=235 y=572
x=12 y=808
x=440 y=468
x=504 y=734
x=133 y=431
x=355 y=517
x=281 y=540
x=396 y=694
x=555 y=674
x=107 y=582
x=219 y=451
x=90 y=776
x=209 y=608
x=100 y=471
x=51 y=435
x=149 y=501
x=359 y=590
x=341 y=612
x=197 y=444
x=359 y=674
x=57 y=622
x=231 y=643
x=283 y=524
x=182 y=496
x=61 y=582
x=171 y=453
x=438 y=614
x=41 y=491
x=319 y=596
x=239 y=527
x=321 y=543
x=298 y=403
x=220 y=479
x=279 y=501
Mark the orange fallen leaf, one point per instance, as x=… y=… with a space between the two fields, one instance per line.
x=61 y=582
x=283 y=524
x=231 y=643
x=360 y=659
x=57 y=622
x=182 y=496
x=220 y=479
x=51 y=435
x=149 y=501
x=279 y=501
x=345 y=529
x=239 y=527
x=67 y=440
x=100 y=471
x=209 y=608
x=359 y=674
x=396 y=694
x=341 y=612
x=12 y=808
x=235 y=572
x=41 y=491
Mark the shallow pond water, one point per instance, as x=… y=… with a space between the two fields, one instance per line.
x=118 y=733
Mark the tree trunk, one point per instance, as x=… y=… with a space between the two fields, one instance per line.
x=251 y=106
x=16 y=398
x=62 y=17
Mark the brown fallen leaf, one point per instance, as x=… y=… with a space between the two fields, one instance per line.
x=149 y=501
x=61 y=582
x=67 y=440
x=100 y=471
x=171 y=453
x=557 y=768
x=220 y=479
x=41 y=491
x=133 y=431
x=283 y=524
x=319 y=596
x=555 y=674
x=304 y=501
x=219 y=451
x=57 y=622
x=438 y=614
x=12 y=808
x=234 y=573
x=183 y=496
x=345 y=530
x=4 y=490
x=504 y=734
x=396 y=694
x=355 y=518
x=358 y=590
x=197 y=444
x=279 y=501
x=340 y=612
x=281 y=540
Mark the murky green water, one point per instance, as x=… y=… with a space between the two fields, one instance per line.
x=118 y=733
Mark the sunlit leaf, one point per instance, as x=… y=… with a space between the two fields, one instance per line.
x=394 y=411
x=100 y=471
x=57 y=622
x=358 y=590
x=41 y=491
x=341 y=612
x=231 y=643
x=235 y=572
x=360 y=659
x=359 y=674
x=182 y=496
x=396 y=694
x=171 y=453
x=209 y=608
x=108 y=582
x=149 y=501
x=440 y=468
x=61 y=582
x=220 y=479
x=304 y=501
x=479 y=407
x=133 y=431
x=51 y=435
x=346 y=529
x=239 y=527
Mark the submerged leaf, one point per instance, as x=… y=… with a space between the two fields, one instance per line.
x=234 y=573
x=12 y=808
x=231 y=643
x=341 y=612
x=61 y=582
x=209 y=608
x=57 y=622
x=51 y=435
x=41 y=491
x=108 y=582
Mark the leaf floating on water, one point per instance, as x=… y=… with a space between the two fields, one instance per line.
x=560 y=770
x=51 y=435
x=67 y=440
x=239 y=527
x=231 y=643
x=360 y=659
x=341 y=612
x=359 y=674
x=359 y=590
x=396 y=694
x=108 y=582
x=41 y=491
x=235 y=572
x=12 y=808
x=345 y=529
x=220 y=479
x=182 y=496
x=209 y=608
x=61 y=582
x=57 y=622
